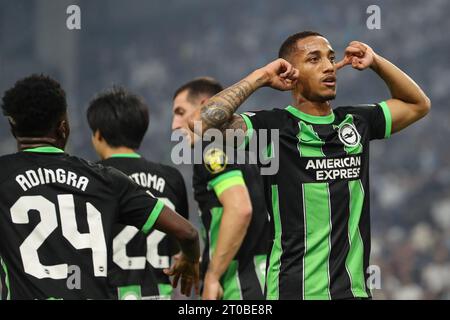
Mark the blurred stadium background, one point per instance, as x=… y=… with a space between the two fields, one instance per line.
x=152 y=47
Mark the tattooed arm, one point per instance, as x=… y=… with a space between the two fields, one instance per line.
x=219 y=111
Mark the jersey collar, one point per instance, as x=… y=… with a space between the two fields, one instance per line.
x=310 y=118
x=126 y=155
x=47 y=149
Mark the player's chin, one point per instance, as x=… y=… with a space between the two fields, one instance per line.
x=328 y=95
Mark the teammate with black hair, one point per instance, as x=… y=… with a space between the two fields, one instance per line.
x=119 y=120
x=57 y=211
x=233 y=211
x=320 y=195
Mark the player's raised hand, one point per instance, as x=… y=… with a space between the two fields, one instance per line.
x=359 y=55
x=188 y=272
x=280 y=75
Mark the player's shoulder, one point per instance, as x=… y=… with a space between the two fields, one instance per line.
x=10 y=163
x=357 y=108
x=6 y=158
x=363 y=111
x=173 y=174
x=268 y=118
x=100 y=171
x=269 y=114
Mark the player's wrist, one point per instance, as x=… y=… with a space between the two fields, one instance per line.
x=214 y=272
x=212 y=275
x=259 y=78
x=375 y=63
x=189 y=258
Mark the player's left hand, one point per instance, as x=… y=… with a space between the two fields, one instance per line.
x=212 y=289
x=188 y=271
x=359 y=55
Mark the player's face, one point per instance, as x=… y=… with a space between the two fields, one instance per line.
x=182 y=111
x=315 y=60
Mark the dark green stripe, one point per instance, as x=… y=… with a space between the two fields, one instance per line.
x=8 y=289
x=124 y=293
x=273 y=273
x=224 y=176
x=388 y=119
x=310 y=118
x=317 y=220
x=165 y=290
x=355 y=258
x=309 y=143
x=231 y=284
x=260 y=269
x=249 y=133
x=317 y=244
x=216 y=218
x=126 y=155
x=45 y=150
x=157 y=209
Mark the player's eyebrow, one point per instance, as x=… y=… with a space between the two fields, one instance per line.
x=317 y=52
x=313 y=53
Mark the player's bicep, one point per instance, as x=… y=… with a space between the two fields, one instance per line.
x=402 y=114
x=235 y=131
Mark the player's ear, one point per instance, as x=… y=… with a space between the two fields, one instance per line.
x=203 y=101
x=63 y=129
x=97 y=136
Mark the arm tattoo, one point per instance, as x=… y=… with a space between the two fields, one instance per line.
x=220 y=108
x=237 y=123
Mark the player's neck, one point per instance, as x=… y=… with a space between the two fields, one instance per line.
x=24 y=143
x=314 y=108
x=110 y=152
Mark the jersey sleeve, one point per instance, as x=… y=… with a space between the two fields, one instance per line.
x=217 y=172
x=255 y=121
x=182 y=206
x=379 y=119
x=261 y=136
x=137 y=206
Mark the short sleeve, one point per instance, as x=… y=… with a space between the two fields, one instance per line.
x=137 y=206
x=219 y=170
x=182 y=206
x=255 y=121
x=378 y=117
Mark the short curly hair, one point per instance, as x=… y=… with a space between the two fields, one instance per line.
x=35 y=105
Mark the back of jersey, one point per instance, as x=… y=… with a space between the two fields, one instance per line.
x=56 y=218
x=135 y=256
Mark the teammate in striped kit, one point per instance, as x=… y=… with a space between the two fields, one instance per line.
x=319 y=198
